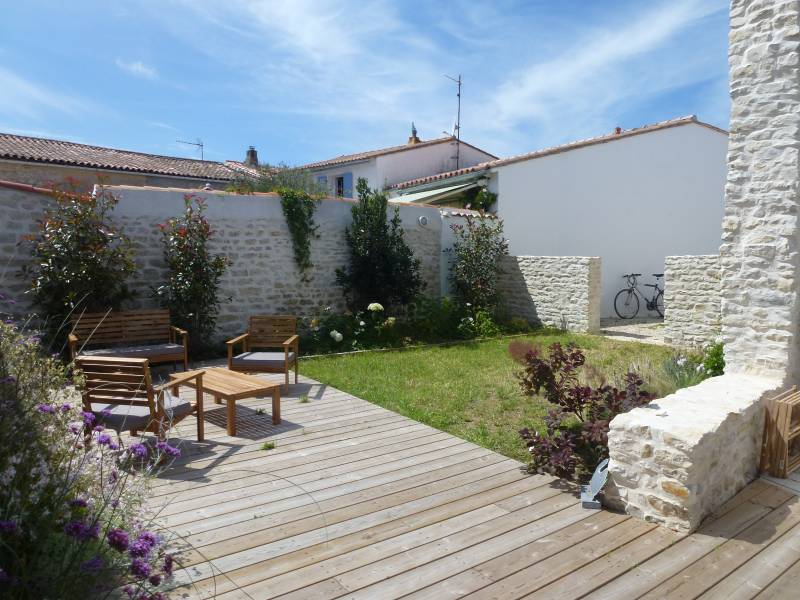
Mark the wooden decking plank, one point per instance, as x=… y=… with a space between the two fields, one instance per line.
x=481 y=544
x=728 y=556
x=506 y=564
x=470 y=536
x=212 y=516
x=608 y=560
x=759 y=572
x=472 y=497
x=269 y=528
x=641 y=579
x=784 y=587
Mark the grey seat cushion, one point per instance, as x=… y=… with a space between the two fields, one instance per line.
x=122 y=417
x=267 y=360
x=145 y=351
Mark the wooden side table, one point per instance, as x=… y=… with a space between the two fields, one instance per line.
x=231 y=386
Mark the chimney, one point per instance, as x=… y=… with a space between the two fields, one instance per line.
x=413 y=139
x=618 y=130
x=252 y=157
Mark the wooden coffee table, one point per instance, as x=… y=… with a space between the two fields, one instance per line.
x=231 y=386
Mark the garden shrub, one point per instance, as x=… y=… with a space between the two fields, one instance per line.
x=71 y=520
x=575 y=439
x=714 y=359
x=477 y=251
x=381 y=265
x=191 y=292
x=298 y=209
x=81 y=260
x=684 y=370
x=273 y=178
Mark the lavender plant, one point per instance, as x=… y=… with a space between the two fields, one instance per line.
x=72 y=520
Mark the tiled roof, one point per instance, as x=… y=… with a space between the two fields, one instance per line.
x=484 y=166
x=42 y=150
x=349 y=158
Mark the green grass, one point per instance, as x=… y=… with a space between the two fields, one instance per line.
x=470 y=390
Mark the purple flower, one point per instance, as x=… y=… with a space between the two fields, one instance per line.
x=98 y=428
x=138 y=450
x=10 y=379
x=88 y=418
x=118 y=539
x=113 y=446
x=149 y=537
x=167 y=449
x=93 y=565
x=144 y=544
x=79 y=503
x=45 y=409
x=4 y=578
x=169 y=562
x=140 y=568
x=66 y=407
x=155 y=579
x=82 y=530
x=104 y=439
x=74 y=428
x=9 y=527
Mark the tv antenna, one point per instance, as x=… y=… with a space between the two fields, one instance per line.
x=458 y=118
x=198 y=144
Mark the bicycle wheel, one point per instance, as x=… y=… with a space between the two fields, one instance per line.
x=626 y=304
x=658 y=303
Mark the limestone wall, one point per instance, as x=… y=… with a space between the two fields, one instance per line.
x=692 y=300
x=251 y=230
x=556 y=291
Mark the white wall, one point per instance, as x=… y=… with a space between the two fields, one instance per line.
x=366 y=169
x=426 y=160
x=631 y=202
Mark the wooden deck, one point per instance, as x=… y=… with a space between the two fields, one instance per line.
x=355 y=501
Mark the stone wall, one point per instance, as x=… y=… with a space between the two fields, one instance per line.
x=677 y=459
x=692 y=300
x=251 y=230
x=556 y=291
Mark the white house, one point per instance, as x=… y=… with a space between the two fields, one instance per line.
x=631 y=197
x=388 y=166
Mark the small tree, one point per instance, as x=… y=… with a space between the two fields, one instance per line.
x=81 y=260
x=191 y=291
x=382 y=267
x=477 y=251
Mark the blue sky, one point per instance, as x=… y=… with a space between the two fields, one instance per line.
x=304 y=80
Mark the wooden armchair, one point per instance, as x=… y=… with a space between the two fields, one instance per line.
x=121 y=395
x=267 y=332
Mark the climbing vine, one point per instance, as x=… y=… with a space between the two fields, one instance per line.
x=298 y=208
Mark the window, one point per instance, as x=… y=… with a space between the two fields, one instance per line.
x=340 y=187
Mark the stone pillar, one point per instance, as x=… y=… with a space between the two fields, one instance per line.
x=679 y=458
x=759 y=252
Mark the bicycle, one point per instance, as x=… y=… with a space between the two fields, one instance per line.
x=626 y=302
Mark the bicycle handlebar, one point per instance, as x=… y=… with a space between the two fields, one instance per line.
x=632 y=275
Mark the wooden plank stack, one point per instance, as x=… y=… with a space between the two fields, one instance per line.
x=780 y=449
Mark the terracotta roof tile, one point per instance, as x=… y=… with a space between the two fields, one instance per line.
x=484 y=166
x=42 y=150
x=359 y=156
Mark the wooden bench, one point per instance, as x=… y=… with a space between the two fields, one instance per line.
x=129 y=334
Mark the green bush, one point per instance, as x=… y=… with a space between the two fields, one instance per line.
x=477 y=251
x=81 y=260
x=714 y=359
x=191 y=292
x=382 y=267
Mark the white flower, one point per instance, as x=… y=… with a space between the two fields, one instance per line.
x=361 y=323
x=375 y=307
x=337 y=337
x=700 y=368
x=681 y=361
x=469 y=304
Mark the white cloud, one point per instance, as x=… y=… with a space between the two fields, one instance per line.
x=137 y=68
x=23 y=98
x=533 y=76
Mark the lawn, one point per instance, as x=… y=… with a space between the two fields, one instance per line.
x=469 y=389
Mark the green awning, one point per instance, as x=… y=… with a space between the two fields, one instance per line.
x=434 y=196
